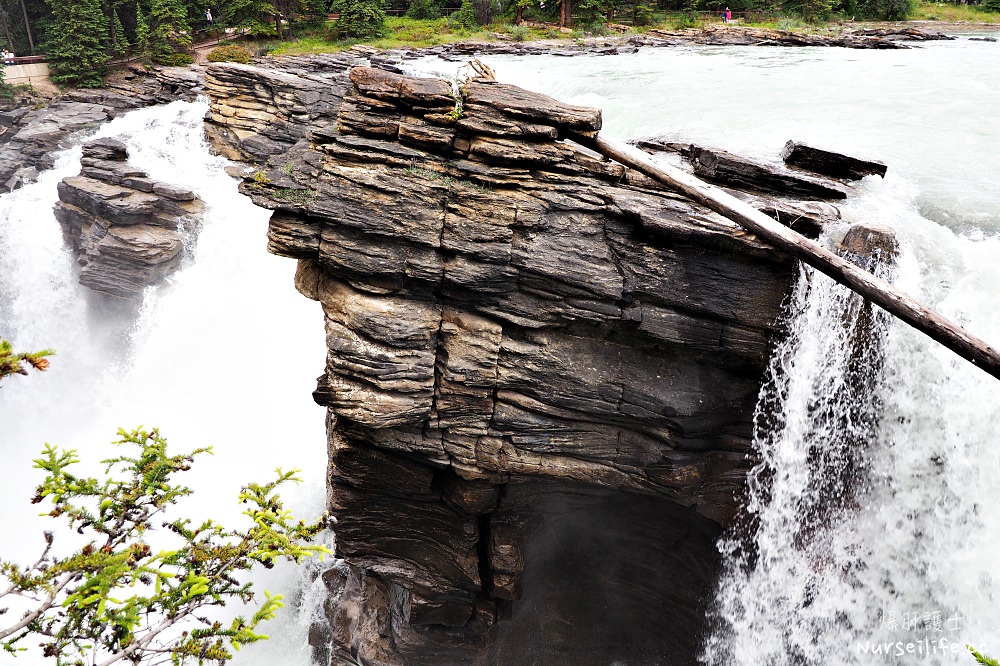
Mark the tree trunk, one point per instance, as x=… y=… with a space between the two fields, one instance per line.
x=6 y=27
x=859 y=280
x=27 y=27
x=566 y=13
x=520 y=15
x=277 y=19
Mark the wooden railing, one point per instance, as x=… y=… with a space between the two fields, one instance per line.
x=23 y=60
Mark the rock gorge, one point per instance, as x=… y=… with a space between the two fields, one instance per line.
x=541 y=371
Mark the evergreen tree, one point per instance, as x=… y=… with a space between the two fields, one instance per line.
x=168 y=32
x=76 y=43
x=814 y=10
x=17 y=363
x=117 y=41
x=465 y=16
x=360 y=19
x=254 y=17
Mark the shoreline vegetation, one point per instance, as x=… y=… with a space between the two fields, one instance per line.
x=83 y=41
x=411 y=35
x=403 y=33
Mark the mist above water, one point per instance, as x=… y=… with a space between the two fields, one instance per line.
x=224 y=354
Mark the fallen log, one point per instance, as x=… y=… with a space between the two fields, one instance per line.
x=830 y=164
x=854 y=277
x=735 y=171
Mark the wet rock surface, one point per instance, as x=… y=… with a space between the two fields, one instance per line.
x=33 y=136
x=830 y=163
x=529 y=350
x=128 y=231
x=541 y=367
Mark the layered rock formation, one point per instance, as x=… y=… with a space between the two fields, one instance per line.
x=127 y=230
x=541 y=369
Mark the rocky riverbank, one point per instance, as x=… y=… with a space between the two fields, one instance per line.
x=882 y=37
x=29 y=136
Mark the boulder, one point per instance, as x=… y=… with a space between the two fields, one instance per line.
x=127 y=230
x=734 y=171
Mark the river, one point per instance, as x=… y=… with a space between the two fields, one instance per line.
x=226 y=352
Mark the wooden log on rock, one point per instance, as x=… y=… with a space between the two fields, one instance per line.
x=735 y=171
x=829 y=163
x=876 y=290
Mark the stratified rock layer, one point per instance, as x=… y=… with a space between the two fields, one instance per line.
x=128 y=231
x=541 y=370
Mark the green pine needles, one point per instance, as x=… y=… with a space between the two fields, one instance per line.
x=76 y=43
x=17 y=363
x=982 y=659
x=360 y=19
x=117 y=599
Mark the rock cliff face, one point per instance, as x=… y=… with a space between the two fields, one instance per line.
x=128 y=231
x=541 y=369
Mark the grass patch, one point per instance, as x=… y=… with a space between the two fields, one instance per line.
x=418 y=33
x=944 y=11
x=403 y=33
x=294 y=195
x=447 y=181
x=308 y=44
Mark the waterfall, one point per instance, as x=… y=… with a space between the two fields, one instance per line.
x=869 y=535
x=870 y=520
x=223 y=354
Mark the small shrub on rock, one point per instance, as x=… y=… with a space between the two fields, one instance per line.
x=229 y=53
x=173 y=59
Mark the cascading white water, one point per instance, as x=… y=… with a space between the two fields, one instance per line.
x=224 y=354
x=875 y=515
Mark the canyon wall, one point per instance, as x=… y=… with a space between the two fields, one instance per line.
x=541 y=368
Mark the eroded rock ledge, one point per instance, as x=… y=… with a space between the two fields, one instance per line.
x=128 y=231
x=541 y=370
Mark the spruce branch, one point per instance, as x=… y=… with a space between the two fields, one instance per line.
x=115 y=598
